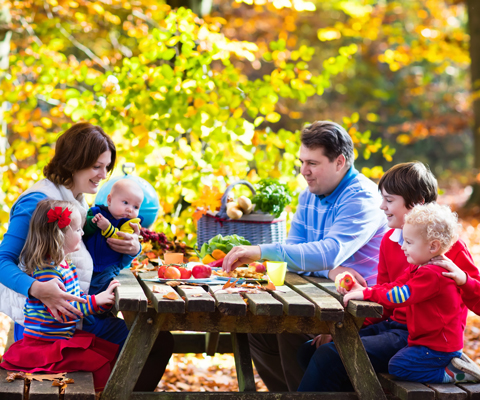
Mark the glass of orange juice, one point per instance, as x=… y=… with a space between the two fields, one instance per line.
x=173 y=258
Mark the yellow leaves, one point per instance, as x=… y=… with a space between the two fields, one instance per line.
x=46 y=122
x=23 y=150
x=328 y=34
x=209 y=199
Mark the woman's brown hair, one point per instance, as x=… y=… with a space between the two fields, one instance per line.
x=45 y=240
x=413 y=181
x=78 y=148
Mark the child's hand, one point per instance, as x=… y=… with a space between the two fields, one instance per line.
x=101 y=221
x=107 y=297
x=344 y=291
x=321 y=339
x=332 y=274
x=352 y=295
x=459 y=276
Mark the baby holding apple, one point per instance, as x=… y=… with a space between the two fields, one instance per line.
x=432 y=301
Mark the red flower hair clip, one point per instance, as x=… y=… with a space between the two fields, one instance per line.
x=62 y=217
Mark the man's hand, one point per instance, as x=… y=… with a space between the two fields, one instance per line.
x=332 y=274
x=101 y=221
x=352 y=295
x=321 y=339
x=107 y=297
x=129 y=244
x=459 y=276
x=53 y=294
x=240 y=255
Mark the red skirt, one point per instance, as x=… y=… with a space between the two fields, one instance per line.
x=83 y=352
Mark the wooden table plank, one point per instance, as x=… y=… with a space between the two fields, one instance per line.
x=228 y=303
x=219 y=322
x=263 y=304
x=43 y=391
x=472 y=390
x=445 y=391
x=327 y=308
x=160 y=303
x=358 y=308
x=196 y=298
x=406 y=390
x=293 y=303
x=246 y=396
x=10 y=390
x=82 y=389
x=130 y=295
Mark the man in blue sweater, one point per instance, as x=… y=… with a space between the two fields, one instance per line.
x=338 y=227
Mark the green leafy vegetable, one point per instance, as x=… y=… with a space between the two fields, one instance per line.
x=224 y=243
x=272 y=196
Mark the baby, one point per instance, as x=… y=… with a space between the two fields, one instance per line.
x=124 y=203
x=432 y=301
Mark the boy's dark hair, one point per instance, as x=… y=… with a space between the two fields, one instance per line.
x=78 y=148
x=413 y=181
x=332 y=137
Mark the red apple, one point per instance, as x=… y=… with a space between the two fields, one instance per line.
x=201 y=271
x=259 y=267
x=172 y=273
x=184 y=273
x=345 y=280
x=161 y=271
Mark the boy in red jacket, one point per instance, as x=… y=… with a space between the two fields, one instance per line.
x=432 y=302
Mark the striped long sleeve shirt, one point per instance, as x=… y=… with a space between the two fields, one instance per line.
x=344 y=228
x=39 y=322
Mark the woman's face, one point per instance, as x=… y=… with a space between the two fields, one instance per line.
x=87 y=180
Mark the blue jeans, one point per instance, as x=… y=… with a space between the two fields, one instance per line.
x=324 y=370
x=101 y=280
x=420 y=364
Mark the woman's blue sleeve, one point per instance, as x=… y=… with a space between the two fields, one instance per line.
x=13 y=242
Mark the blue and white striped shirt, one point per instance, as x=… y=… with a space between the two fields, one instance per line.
x=344 y=228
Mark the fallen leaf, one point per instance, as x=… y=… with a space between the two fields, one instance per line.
x=174 y=283
x=270 y=286
x=45 y=377
x=69 y=380
x=157 y=289
x=227 y=285
x=196 y=295
x=171 y=296
x=56 y=382
x=11 y=376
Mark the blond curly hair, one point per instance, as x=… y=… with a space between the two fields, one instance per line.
x=438 y=222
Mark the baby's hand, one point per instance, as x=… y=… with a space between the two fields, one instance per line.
x=101 y=221
x=321 y=339
x=107 y=297
x=352 y=295
x=459 y=276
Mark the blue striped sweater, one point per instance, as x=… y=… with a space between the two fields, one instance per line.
x=39 y=322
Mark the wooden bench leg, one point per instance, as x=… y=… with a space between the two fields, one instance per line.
x=243 y=362
x=211 y=342
x=355 y=359
x=133 y=356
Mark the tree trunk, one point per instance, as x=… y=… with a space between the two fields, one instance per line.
x=474 y=31
x=199 y=7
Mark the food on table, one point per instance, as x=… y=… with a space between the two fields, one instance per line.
x=345 y=280
x=173 y=258
x=161 y=271
x=208 y=259
x=172 y=273
x=248 y=273
x=245 y=204
x=216 y=263
x=185 y=273
x=223 y=243
x=217 y=254
x=201 y=271
x=234 y=211
x=259 y=267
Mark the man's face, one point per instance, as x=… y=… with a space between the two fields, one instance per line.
x=322 y=176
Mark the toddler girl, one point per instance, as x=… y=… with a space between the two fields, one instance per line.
x=49 y=346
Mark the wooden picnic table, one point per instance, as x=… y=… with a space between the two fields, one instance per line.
x=303 y=305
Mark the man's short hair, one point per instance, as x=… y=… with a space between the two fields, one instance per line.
x=333 y=138
x=413 y=181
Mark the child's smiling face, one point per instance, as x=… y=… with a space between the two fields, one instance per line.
x=416 y=248
x=394 y=208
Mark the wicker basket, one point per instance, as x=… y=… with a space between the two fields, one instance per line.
x=257 y=228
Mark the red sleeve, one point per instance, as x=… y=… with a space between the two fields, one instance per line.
x=470 y=293
x=406 y=290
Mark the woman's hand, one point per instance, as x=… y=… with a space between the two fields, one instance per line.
x=240 y=255
x=53 y=294
x=332 y=274
x=107 y=297
x=129 y=244
x=352 y=295
x=459 y=276
x=321 y=339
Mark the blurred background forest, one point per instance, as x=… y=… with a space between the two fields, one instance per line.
x=201 y=93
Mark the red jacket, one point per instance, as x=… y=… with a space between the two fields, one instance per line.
x=470 y=292
x=433 y=305
x=393 y=263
